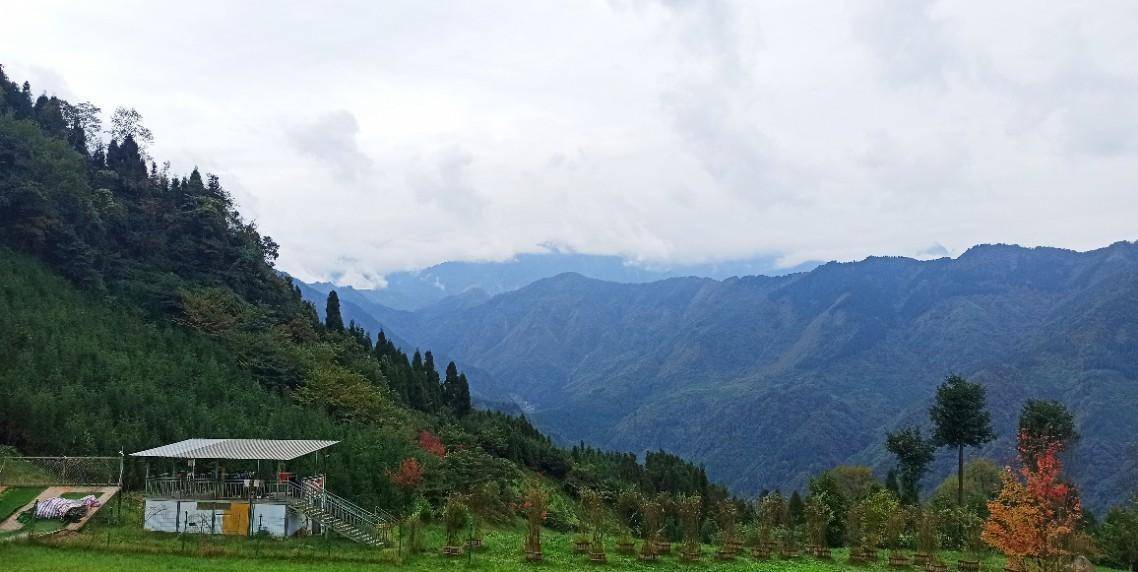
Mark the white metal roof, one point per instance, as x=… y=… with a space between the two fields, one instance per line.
x=247 y=449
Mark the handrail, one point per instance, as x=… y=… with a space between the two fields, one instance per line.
x=208 y=488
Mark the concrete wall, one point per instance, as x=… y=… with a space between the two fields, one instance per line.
x=210 y=517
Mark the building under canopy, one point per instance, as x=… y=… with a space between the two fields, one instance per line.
x=248 y=502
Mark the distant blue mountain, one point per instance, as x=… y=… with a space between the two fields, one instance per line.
x=769 y=380
x=478 y=281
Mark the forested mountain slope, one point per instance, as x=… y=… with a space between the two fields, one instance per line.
x=769 y=380
x=138 y=307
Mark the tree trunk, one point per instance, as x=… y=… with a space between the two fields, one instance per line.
x=960 y=476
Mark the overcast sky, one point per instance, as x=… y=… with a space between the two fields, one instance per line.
x=374 y=136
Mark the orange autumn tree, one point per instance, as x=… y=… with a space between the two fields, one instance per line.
x=1035 y=516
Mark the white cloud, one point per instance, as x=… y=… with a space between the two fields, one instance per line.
x=369 y=137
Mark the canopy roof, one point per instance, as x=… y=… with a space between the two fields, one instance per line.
x=244 y=449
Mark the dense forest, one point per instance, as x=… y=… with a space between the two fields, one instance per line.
x=138 y=307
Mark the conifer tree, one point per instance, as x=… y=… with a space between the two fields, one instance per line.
x=78 y=138
x=914 y=453
x=450 y=387
x=333 y=321
x=961 y=420
x=1044 y=421
x=796 y=508
x=432 y=385
x=462 y=400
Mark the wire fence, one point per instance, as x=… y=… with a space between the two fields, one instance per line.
x=29 y=471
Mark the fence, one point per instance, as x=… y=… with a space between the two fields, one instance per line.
x=46 y=471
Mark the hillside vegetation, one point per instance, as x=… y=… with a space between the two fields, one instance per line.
x=137 y=307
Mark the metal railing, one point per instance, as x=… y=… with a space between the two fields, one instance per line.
x=214 y=489
x=339 y=513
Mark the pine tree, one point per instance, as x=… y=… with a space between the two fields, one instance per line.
x=433 y=387
x=462 y=398
x=450 y=386
x=380 y=344
x=914 y=453
x=797 y=509
x=333 y=321
x=78 y=138
x=1045 y=421
x=961 y=420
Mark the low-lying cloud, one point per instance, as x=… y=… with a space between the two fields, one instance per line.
x=368 y=138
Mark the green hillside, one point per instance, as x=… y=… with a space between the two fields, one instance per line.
x=138 y=307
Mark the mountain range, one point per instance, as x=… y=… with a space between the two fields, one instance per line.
x=411 y=290
x=771 y=379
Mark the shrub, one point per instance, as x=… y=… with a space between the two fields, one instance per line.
x=726 y=517
x=818 y=516
x=653 y=515
x=1118 y=536
x=595 y=517
x=535 y=507
x=456 y=516
x=689 y=507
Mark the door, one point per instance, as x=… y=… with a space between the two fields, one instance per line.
x=236 y=521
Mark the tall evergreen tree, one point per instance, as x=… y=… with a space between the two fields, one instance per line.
x=1042 y=421
x=432 y=384
x=462 y=396
x=797 y=509
x=332 y=319
x=914 y=453
x=961 y=420
x=450 y=386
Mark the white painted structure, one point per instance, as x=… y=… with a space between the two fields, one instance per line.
x=224 y=517
x=247 y=503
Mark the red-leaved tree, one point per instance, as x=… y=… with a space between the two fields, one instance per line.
x=431 y=443
x=409 y=475
x=1036 y=516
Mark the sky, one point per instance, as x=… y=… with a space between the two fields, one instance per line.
x=375 y=136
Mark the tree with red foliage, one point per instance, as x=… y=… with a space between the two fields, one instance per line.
x=1035 y=517
x=409 y=475
x=431 y=443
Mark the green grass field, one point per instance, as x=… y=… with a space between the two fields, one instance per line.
x=14 y=498
x=115 y=541
x=496 y=557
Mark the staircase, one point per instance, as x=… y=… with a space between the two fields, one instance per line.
x=343 y=516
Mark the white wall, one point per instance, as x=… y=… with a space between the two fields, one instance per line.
x=164 y=515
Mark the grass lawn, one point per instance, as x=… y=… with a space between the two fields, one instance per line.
x=45 y=557
x=14 y=498
x=116 y=541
